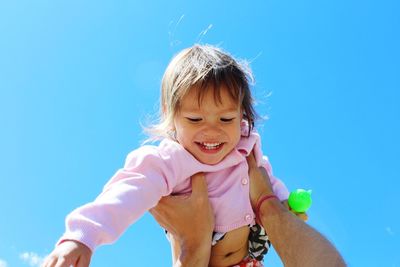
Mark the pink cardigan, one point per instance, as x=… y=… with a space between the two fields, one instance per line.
x=151 y=172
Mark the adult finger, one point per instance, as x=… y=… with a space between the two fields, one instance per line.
x=165 y=205
x=158 y=211
x=50 y=261
x=159 y=215
x=302 y=216
x=199 y=185
x=169 y=201
x=164 y=201
x=83 y=262
x=61 y=262
x=251 y=160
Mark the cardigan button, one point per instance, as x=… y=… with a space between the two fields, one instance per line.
x=247 y=217
x=245 y=181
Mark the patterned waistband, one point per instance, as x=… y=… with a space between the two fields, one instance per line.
x=249 y=262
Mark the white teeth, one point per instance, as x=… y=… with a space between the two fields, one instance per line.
x=211 y=145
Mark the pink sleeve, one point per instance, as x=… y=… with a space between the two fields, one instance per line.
x=131 y=192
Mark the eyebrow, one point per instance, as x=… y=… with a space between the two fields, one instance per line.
x=227 y=110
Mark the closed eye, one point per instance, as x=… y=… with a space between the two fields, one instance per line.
x=193 y=119
x=227 y=119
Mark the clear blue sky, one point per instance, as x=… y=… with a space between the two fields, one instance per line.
x=78 y=77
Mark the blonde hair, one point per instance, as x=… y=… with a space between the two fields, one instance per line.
x=202 y=67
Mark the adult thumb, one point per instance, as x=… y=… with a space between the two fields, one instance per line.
x=251 y=160
x=199 y=184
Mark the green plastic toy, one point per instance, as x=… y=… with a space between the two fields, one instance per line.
x=300 y=200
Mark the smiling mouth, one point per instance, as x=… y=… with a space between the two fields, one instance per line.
x=209 y=146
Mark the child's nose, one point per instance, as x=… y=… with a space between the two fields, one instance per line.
x=211 y=130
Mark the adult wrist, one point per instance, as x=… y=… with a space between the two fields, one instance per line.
x=269 y=206
x=194 y=254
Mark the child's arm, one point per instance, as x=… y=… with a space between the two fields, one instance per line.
x=69 y=253
x=131 y=192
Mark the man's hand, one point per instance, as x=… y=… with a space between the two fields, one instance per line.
x=260 y=185
x=183 y=216
x=296 y=243
x=190 y=222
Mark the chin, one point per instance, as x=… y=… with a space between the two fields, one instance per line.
x=209 y=161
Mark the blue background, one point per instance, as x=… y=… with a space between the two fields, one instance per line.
x=78 y=78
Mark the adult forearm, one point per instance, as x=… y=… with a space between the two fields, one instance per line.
x=296 y=243
x=193 y=256
x=190 y=252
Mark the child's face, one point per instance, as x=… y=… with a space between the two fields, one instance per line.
x=209 y=131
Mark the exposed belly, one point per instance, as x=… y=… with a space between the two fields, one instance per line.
x=231 y=249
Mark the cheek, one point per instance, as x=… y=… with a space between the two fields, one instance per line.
x=183 y=134
x=237 y=138
x=237 y=133
x=233 y=131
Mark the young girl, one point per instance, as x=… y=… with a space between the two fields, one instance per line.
x=206 y=125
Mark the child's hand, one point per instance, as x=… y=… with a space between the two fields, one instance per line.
x=69 y=253
x=302 y=215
